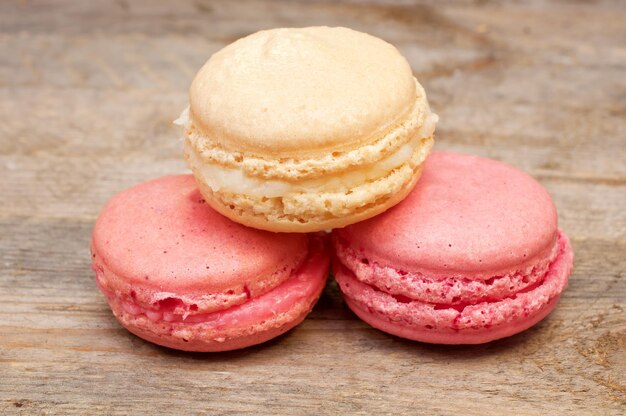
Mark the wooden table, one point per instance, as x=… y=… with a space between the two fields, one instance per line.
x=88 y=91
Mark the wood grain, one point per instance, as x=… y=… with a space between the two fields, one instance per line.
x=87 y=94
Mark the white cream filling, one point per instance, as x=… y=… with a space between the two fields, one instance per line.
x=183 y=119
x=236 y=181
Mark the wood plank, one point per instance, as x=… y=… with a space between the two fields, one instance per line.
x=87 y=94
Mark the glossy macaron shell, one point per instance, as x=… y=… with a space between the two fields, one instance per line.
x=471 y=255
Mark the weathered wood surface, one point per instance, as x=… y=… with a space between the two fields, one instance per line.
x=87 y=94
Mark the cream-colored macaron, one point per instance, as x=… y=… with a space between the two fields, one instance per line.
x=299 y=130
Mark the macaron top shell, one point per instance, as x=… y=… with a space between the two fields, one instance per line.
x=161 y=235
x=298 y=91
x=467 y=217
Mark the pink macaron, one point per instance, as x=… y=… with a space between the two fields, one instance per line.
x=177 y=273
x=472 y=255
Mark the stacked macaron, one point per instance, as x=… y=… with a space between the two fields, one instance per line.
x=294 y=131
x=300 y=130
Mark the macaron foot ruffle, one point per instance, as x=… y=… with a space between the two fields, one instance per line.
x=458 y=324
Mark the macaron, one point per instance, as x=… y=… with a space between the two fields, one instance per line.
x=473 y=254
x=179 y=274
x=300 y=130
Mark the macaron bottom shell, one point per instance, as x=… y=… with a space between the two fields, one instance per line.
x=309 y=212
x=256 y=321
x=458 y=324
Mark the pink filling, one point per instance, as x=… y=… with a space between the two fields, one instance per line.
x=447 y=290
x=191 y=301
x=485 y=314
x=304 y=284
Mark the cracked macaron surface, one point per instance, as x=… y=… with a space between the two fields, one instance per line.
x=473 y=254
x=179 y=274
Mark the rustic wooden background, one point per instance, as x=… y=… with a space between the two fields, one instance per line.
x=88 y=91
